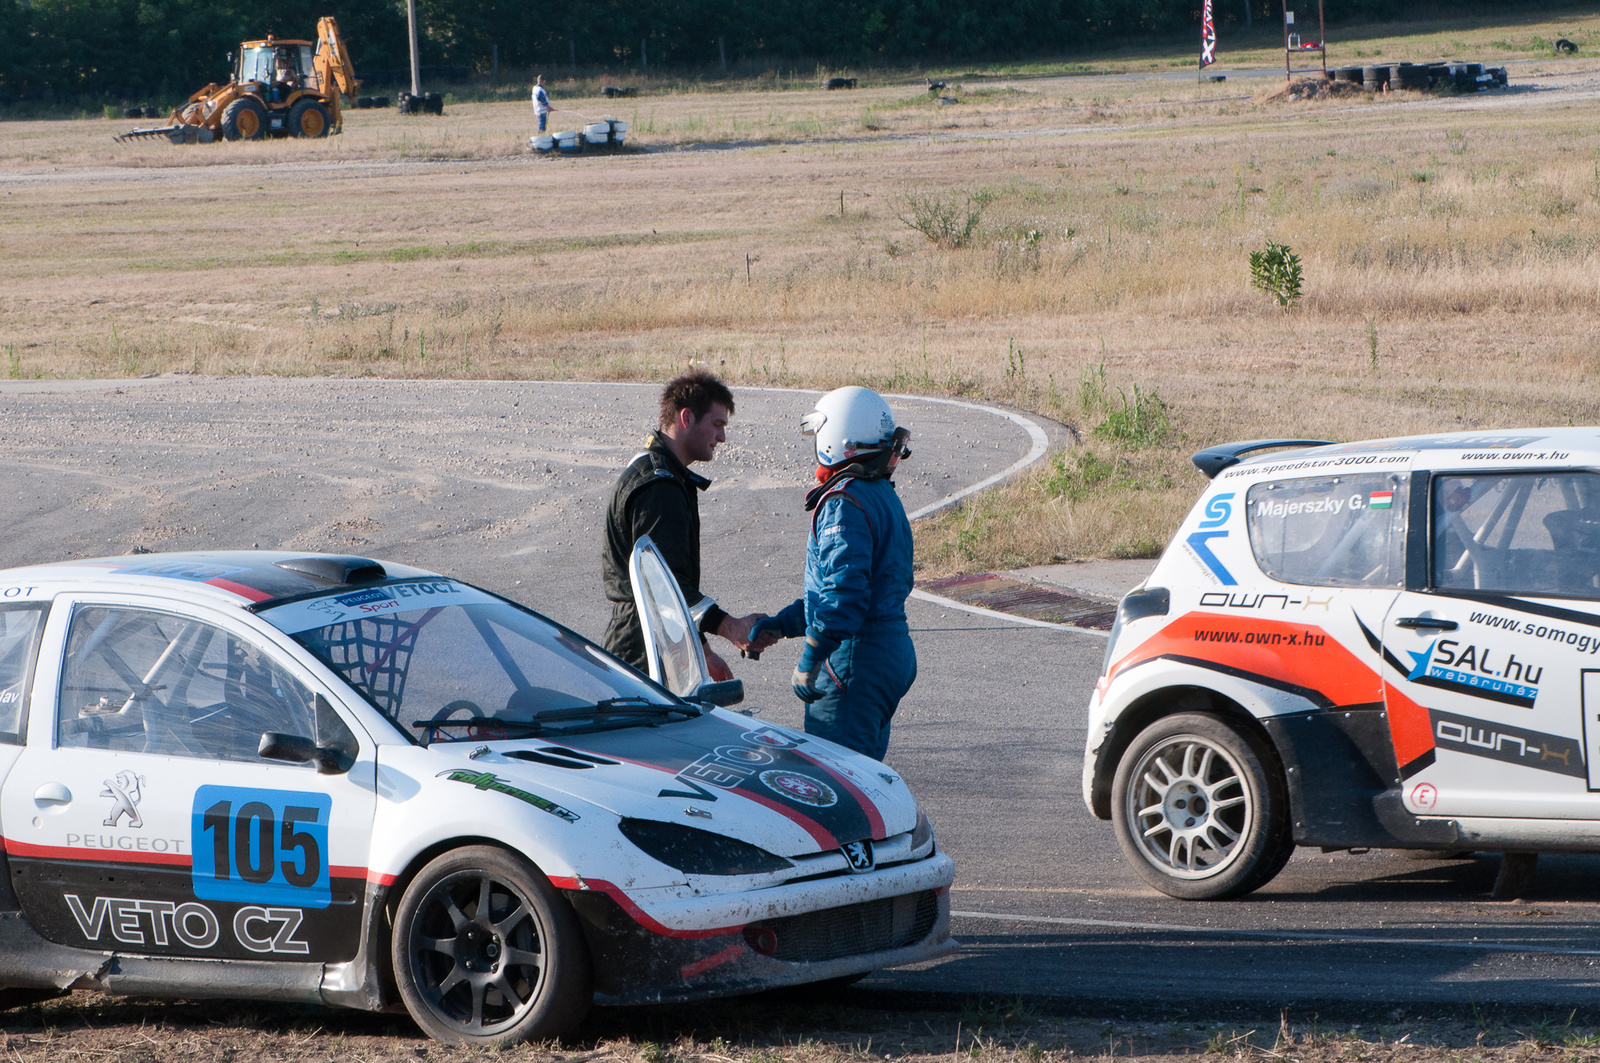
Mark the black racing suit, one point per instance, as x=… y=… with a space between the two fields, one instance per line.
x=656 y=495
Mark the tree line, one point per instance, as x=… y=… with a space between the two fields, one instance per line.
x=105 y=51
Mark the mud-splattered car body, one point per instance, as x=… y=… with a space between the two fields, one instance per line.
x=364 y=784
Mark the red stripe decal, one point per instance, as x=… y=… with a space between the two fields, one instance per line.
x=819 y=834
x=639 y=915
x=732 y=952
x=806 y=823
x=87 y=855
x=84 y=854
x=874 y=817
x=240 y=589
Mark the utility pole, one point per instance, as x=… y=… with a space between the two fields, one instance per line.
x=416 y=60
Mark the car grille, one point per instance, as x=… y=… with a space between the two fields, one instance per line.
x=872 y=926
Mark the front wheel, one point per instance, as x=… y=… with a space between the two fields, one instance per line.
x=1200 y=808
x=487 y=953
x=244 y=119
x=308 y=118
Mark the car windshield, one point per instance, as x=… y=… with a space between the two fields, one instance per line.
x=448 y=662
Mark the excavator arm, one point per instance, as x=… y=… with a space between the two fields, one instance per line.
x=332 y=61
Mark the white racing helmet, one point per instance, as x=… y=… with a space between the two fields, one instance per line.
x=848 y=423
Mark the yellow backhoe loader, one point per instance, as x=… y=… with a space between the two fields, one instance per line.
x=278 y=89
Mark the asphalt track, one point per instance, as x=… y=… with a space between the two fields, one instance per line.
x=504 y=484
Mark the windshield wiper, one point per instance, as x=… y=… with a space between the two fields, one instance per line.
x=629 y=706
x=609 y=714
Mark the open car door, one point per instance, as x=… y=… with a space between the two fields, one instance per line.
x=672 y=641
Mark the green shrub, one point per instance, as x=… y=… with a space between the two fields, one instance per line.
x=1276 y=271
x=947 y=223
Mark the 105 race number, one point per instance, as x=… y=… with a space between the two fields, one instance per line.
x=261 y=846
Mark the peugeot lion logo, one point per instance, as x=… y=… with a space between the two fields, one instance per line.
x=860 y=856
x=124 y=793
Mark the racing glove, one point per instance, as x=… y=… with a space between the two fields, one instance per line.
x=812 y=659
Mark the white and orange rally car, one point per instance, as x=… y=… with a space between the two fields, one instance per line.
x=1386 y=644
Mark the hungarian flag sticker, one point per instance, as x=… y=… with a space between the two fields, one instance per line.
x=1380 y=500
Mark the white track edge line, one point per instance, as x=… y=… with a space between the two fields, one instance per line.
x=1279 y=935
x=978 y=610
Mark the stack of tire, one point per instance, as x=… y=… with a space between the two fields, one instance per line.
x=427 y=103
x=366 y=103
x=141 y=112
x=1463 y=77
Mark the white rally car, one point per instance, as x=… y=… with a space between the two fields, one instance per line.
x=1379 y=644
x=330 y=779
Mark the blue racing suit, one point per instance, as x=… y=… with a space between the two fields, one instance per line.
x=858 y=575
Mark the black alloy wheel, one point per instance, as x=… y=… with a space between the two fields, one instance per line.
x=487 y=953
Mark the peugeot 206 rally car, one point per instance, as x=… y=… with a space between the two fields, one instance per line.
x=330 y=779
x=1381 y=644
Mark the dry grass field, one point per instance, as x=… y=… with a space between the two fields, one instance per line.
x=790 y=1028
x=1450 y=247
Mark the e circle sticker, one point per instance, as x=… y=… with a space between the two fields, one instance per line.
x=801 y=788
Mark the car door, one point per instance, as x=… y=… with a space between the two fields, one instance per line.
x=1494 y=646
x=141 y=818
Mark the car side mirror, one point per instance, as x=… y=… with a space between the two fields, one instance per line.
x=728 y=692
x=298 y=749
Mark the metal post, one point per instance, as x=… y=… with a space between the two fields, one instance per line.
x=416 y=59
x=1322 y=39
x=1287 y=74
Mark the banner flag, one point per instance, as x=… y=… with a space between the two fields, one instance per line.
x=1208 y=38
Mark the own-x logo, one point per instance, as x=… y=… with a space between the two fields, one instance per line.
x=124 y=793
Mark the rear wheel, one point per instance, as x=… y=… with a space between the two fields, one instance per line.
x=244 y=119
x=1200 y=809
x=487 y=953
x=308 y=118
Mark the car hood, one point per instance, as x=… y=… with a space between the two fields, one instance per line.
x=786 y=792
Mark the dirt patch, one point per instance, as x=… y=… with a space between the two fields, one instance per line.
x=1303 y=90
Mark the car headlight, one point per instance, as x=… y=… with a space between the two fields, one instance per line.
x=922 y=833
x=699 y=852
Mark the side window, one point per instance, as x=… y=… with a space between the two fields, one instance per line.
x=19 y=644
x=143 y=681
x=1518 y=533
x=1336 y=531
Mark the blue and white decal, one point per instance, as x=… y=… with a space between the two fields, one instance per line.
x=261 y=847
x=1477 y=671
x=308 y=614
x=1218 y=510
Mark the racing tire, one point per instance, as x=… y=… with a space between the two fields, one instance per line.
x=244 y=119
x=487 y=953
x=1234 y=842
x=308 y=118
x=1374 y=77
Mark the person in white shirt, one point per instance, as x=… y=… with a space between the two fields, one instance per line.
x=541 y=101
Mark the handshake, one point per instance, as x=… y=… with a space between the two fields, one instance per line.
x=752 y=633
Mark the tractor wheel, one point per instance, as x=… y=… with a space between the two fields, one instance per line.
x=308 y=118
x=244 y=119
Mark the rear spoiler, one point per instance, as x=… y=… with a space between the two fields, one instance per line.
x=1213 y=460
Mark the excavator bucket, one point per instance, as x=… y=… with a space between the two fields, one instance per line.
x=178 y=134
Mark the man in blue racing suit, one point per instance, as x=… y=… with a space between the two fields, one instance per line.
x=858 y=660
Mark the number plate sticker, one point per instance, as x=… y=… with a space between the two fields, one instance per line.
x=261 y=846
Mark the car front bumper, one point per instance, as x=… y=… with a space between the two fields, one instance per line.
x=765 y=939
